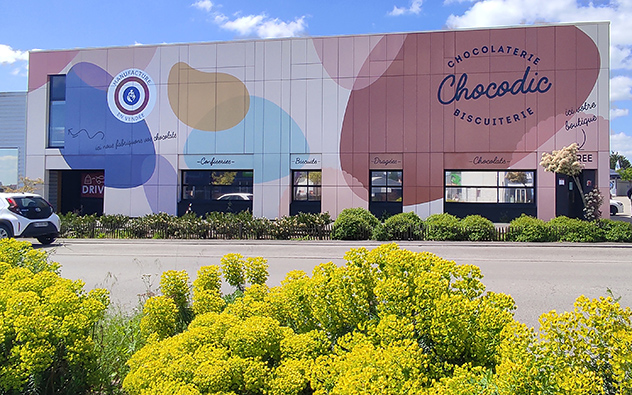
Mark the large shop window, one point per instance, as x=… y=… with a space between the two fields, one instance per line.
x=205 y=191
x=386 y=192
x=481 y=192
x=56 y=111
x=306 y=191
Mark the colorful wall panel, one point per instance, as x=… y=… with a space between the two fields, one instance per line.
x=470 y=99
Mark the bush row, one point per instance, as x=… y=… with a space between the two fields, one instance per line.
x=527 y=228
x=351 y=224
x=360 y=224
x=190 y=226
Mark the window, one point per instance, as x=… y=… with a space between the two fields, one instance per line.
x=217 y=185
x=489 y=186
x=56 y=111
x=386 y=186
x=306 y=185
x=8 y=168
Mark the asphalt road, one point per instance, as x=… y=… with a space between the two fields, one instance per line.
x=540 y=277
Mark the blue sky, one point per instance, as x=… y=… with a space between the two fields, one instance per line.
x=37 y=24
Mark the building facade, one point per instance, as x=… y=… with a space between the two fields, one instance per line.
x=431 y=122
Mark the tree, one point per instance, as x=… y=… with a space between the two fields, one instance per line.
x=626 y=174
x=615 y=157
x=28 y=185
x=565 y=162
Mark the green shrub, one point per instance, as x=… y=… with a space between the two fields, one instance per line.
x=46 y=326
x=477 y=228
x=576 y=230
x=402 y=226
x=354 y=224
x=616 y=231
x=443 y=227
x=526 y=228
x=113 y=223
x=284 y=228
x=302 y=225
x=313 y=219
x=190 y=226
x=118 y=337
x=236 y=225
x=77 y=226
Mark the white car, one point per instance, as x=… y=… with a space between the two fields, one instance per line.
x=236 y=196
x=28 y=215
x=616 y=207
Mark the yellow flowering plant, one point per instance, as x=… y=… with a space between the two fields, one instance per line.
x=46 y=325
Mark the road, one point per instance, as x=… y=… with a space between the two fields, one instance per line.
x=540 y=276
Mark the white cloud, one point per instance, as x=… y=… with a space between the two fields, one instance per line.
x=205 y=5
x=254 y=25
x=415 y=8
x=9 y=55
x=620 y=88
x=511 y=12
x=273 y=28
x=621 y=143
x=264 y=27
x=245 y=25
x=618 y=112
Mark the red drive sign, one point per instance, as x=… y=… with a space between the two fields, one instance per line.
x=92 y=185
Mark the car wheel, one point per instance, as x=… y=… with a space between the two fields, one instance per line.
x=5 y=232
x=613 y=210
x=46 y=240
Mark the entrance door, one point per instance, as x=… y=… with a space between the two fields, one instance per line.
x=386 y=193
x=81 y=192
x=568 y=201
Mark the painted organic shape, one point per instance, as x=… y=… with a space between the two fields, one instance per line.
x=207 y=101
x=480 y=91
x=96 y=139
x=270 y=139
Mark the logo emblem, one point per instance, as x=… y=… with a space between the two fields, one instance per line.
x=131 y=95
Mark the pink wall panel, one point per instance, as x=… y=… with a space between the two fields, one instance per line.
x=394 y=114
x=424 y=100
x=484 y=91
x=377 y=116
x=409 y=108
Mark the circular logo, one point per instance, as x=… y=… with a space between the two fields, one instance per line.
x=131 y=95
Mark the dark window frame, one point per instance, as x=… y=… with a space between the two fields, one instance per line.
x=308 y=191
x=389 y=186
x=201 y=185
x=529 y=190
x=56 y=110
